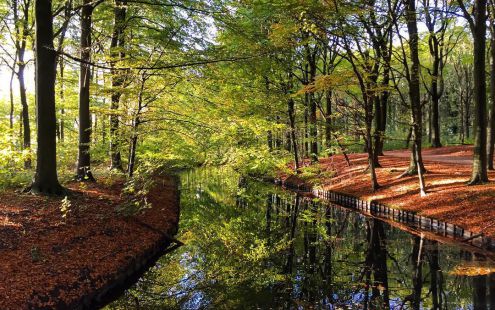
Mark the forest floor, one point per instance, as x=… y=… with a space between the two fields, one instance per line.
x=448 y=197
x=51 y=261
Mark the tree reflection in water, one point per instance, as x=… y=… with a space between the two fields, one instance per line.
x=251 y=245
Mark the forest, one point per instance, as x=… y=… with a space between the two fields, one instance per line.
x=250 y=84
x=387 y=101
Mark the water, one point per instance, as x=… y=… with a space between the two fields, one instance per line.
x=250 y=245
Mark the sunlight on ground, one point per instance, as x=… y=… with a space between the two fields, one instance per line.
x=6 y=222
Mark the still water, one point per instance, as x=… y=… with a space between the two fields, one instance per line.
x=251 y=245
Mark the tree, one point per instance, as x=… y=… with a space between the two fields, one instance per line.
x=412 y=75
x=22 y=31
x=118 y=78
x=83 y=172
x=45 y=179
x=491 y=123
x=437 y=21
x=477 y=24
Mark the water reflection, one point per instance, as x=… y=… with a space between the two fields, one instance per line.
x=250 y=245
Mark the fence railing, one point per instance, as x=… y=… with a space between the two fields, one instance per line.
x=409 y=218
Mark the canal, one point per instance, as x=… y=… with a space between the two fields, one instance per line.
x=252 y=245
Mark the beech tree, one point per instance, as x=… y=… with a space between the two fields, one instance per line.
x=83 y=172
x=118 y=79
x=45 y=179
x=477 y=23
x=412 y=76
x=491 y=123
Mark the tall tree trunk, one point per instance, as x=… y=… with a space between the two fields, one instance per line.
x=369 y=145
x=45 y=179
x=435 y=92
x=132 y=153
x=491 y=128
x=384 y=97
x=435 y=116
x=292 y=122
x=83 y=172
x=378 y=133
x=21 y=26
x=135 y=126
x=62 y=97
x=11 y=96
x=328 y=119
x=269 y=140
x=306 y=126
x=117 y=53
x=416 y=162
x=26 y=135
x=313 y=129
x=461 y=118
x=478 y=28
x=278 y=136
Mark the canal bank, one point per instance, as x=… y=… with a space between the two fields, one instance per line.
x=449 y=199
x=81 y=252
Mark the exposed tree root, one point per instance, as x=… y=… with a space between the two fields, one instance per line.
x=477 y=180
x=412 y=171
x=48 y=190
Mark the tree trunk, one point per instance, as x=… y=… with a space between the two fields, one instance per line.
x=416 y=163
x=26 y=135
x=269 y=140
x=62 y=97
x=435 y=92
x=328 y=119
x=135 y=126
x=491 y=128
x=11 y=96
x=132 y=154
x=383 y=107
x=313 y=130
x=21 y=26
x=479 y=173
x=116 y=51
x=83 y=172
x=369 y=146
x=292 y=122
x=378 y=133
x=45 y=178
x=306 y=126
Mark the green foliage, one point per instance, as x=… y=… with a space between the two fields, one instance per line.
x=258 y=162
x=136 y=191
x=314 y=174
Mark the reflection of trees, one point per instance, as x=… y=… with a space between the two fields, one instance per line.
x=479 y=292
x=436 y=275
x=479 y=288
x=491 y=282
x=268 y=216
x=292 y=219
x=327 y=267
x=376 y=266
x=310 y=238
x=417 y=272
x=271 y=249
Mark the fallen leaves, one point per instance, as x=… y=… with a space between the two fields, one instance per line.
x=49 y=260
x=448 y=197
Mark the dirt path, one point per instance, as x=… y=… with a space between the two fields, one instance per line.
x=459 y=155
